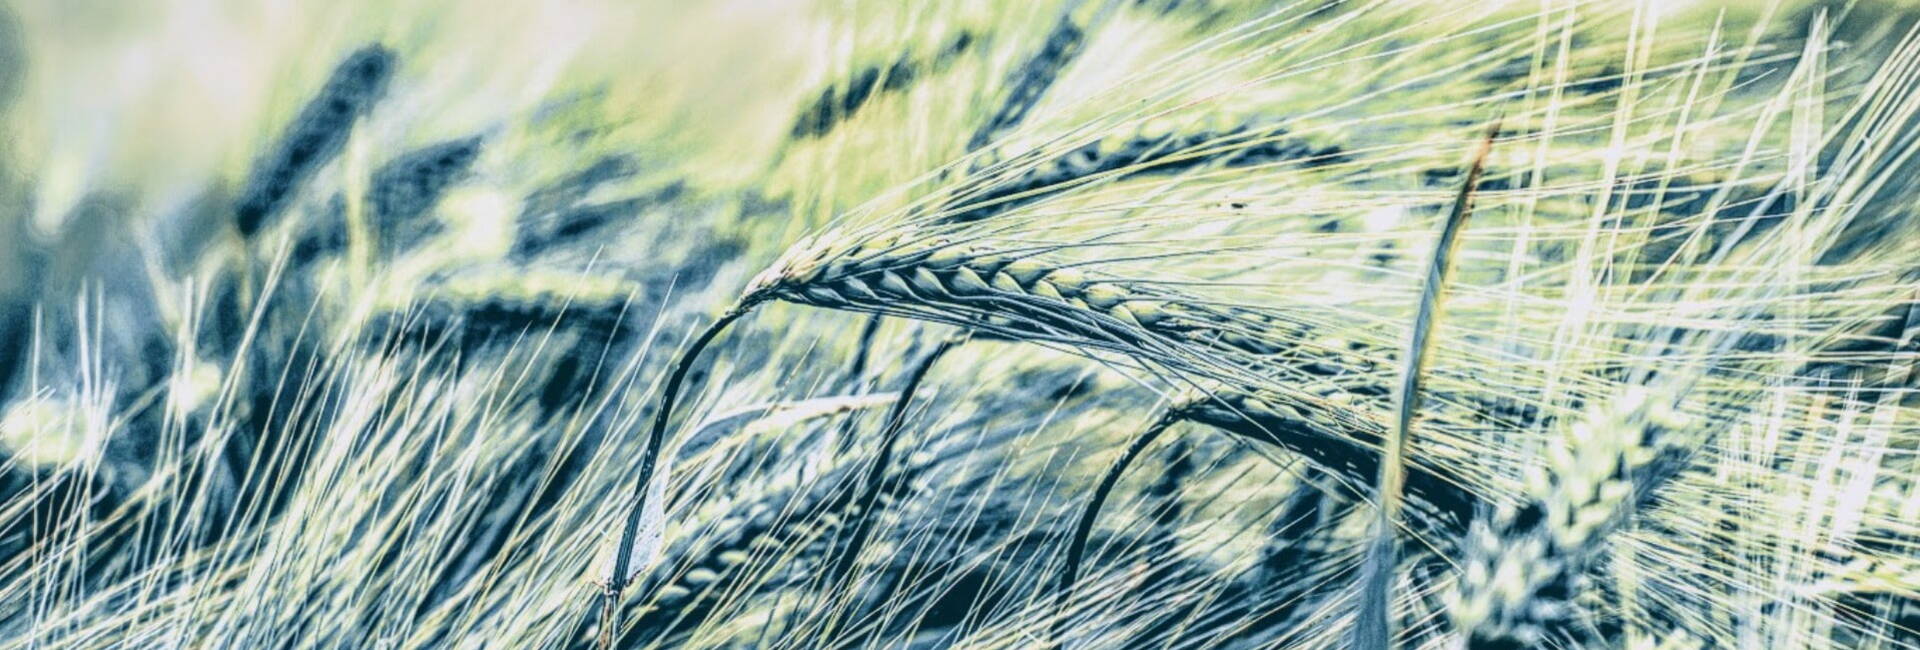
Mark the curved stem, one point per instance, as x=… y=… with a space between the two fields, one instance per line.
x=622 y=559
x=876 y=473
x=867 y=507
x=856 y=380
x=1077 y=548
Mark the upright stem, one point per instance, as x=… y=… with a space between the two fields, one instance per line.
x=1077 y=549
x=1373 y=625
x=616 y=586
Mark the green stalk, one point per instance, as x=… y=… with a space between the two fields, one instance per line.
x=1372 y=629
x=1077 y=548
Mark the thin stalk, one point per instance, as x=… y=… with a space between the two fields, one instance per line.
x=1372 y=629
x=1077 y=548
x=857 y=379
x=610 y=596
x=876 y=472
x=866 y=511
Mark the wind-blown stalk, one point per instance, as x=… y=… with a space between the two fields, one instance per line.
x=876 y=473
x=1083 y=529
x=856 y=380
x=714 y=559
x=867 y=506
x=616 y=584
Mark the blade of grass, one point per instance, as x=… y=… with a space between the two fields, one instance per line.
x=1373 y=628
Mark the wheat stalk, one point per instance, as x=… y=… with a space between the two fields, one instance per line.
x=876 y=483
x=716 y=563
x=1438 y=500
x=1083 y=527
x=622 y=572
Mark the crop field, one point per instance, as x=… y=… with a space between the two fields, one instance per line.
x=986 y=324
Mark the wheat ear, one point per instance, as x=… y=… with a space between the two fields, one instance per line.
x=314 y=137
x=1024 y=297
x=1522 y=566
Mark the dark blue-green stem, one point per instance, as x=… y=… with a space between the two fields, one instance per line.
x=616 y=586
x=877 y=472
x=857 y=380
x=1077 y=548
x=868 y=505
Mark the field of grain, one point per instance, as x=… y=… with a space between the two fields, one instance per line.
x=1023 y=324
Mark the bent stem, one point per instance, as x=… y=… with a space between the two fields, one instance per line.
x=616 y=584
x=867 y=507
x=856 y=380
x=1077 y=548
x=876 y=473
